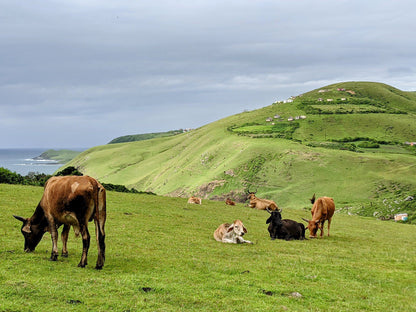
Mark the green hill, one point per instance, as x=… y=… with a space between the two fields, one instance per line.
x=351 y=147
x=62 y=156
x=145 y=136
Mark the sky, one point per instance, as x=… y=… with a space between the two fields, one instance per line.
x=79 y=73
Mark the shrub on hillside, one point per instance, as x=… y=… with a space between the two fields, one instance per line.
x=33 y=178
x=69 y=171
x=367 y=144
x=6 y=176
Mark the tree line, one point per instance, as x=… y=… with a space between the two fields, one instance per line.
x=39 y=179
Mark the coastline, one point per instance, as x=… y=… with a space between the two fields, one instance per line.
x=31 y=160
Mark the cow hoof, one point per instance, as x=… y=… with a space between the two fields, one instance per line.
x=65 y=255
x=98 y=267
x=81 y=265
x=53 y=258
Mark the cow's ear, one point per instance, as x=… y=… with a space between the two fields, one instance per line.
x=26 y=228
x=269 y=220
x=230 y=229
x=244 y=229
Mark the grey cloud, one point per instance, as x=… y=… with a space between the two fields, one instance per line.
x=104 y=64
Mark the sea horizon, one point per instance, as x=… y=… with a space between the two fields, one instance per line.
x=22 y=160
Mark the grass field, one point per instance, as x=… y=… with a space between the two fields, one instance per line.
x=161 y=256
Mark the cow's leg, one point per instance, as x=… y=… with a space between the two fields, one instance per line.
x=54 y=236
x=64 y=236
x=85 y=244
x=227 y=240
x=288 y=237
x=322 y=228
x=100 y=235
x=329 y=225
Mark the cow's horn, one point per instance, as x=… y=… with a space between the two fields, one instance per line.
x=20 y=218
x=313 y=199
x=280 y=210
x=268 y=210
x=305 y=220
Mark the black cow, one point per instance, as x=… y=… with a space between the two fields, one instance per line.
x=284 y=229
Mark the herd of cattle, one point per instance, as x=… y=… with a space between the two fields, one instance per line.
x=76 y=200
x=322 y=210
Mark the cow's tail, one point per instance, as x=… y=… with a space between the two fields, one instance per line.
x=100 y=218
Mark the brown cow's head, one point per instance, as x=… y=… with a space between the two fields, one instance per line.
x=32 y=233
x=251 y=196
x=313 y=227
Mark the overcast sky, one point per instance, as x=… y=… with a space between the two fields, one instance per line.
x=80 y=73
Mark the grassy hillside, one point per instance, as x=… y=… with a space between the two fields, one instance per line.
x=62 y=156
x=365 y=265
x=326 y=152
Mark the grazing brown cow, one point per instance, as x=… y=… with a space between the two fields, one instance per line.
x=71 y=201
x=195 y=200
x=229 y=202
x=323 y=209
x=261 y=204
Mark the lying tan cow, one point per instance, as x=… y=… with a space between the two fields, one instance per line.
x=261 y=204
x=231 y=233
x=323 y=209
x=194 y=200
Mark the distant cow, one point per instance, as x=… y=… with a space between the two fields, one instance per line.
x=231 y=233
x=71 y=201
x=323 y=209
x=229 y=202
x=261 y=204
x=284 y=229
x=194 y=200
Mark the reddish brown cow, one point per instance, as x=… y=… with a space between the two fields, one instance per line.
x=229 y=202
x=71 y=201
x=323 y=209
x=261 y=204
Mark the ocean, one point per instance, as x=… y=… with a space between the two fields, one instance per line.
x=22 y=161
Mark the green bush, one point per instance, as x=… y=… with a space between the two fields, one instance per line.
x=367 y=144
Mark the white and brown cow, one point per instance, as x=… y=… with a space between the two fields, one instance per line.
x=231 y=233
x=69 y=201
x=194 y=200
